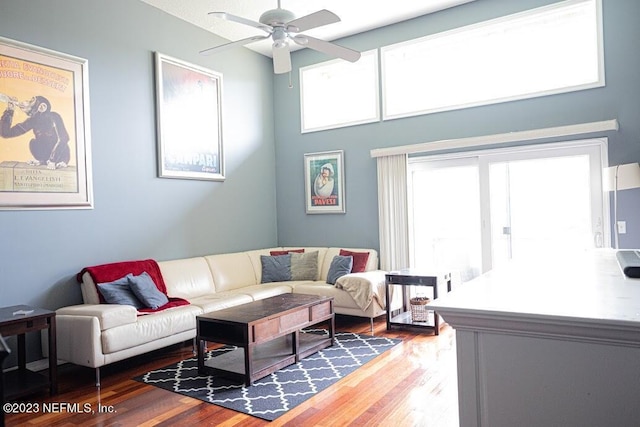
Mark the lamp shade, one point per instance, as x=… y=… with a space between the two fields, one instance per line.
x=628 y=177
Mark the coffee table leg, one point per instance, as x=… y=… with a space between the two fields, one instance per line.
x=201 y=349
x=247 y=366
x=294 y=344
x=332 y=328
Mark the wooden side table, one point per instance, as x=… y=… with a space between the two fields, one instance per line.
x=20 y=382
x=411 y=277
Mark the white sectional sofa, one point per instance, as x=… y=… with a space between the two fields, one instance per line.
x=94 y=334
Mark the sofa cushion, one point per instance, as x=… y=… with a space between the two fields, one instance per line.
x=150 y=327
x=119 y=292
x=266 y=290
x=221 y=300
x=304 y=266
x=359 y=260
x=89 y=290
x=275 y=268
x=187 y=278
x=232 y=270
x=340 y=265
x=146 y=291
x=341 y=298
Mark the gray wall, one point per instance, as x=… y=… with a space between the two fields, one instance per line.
x=138 y=215
x=620 y=99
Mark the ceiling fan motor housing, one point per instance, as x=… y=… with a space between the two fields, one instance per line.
x=277 y=17
x=281 y=26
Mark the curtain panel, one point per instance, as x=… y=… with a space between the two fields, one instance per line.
x=392 y=212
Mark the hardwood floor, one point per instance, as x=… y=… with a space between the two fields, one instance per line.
x=414 y=384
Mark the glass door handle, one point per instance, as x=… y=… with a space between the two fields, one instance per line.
x=597 y=239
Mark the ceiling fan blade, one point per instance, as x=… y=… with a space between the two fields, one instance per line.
x=330 y=49
x=313 y=20
x=281 y=58
x=226 y=46
x=240 y=20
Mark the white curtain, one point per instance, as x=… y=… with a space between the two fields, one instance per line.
x=392 y=212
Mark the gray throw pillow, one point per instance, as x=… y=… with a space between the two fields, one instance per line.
x=304 y=266
x=276 y=268
x=340 y=265
x=146 y=290
x=119 y=292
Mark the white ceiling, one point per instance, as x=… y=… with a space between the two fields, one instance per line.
x=356 y=15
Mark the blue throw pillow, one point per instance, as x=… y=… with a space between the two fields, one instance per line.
x=276 y=268
x=340 y=265
x=119 y=292
x=146 y=290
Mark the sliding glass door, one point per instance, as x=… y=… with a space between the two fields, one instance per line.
x=479 y=210
x=540 y=205
x=444 y=216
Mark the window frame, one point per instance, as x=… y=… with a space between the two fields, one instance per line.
x=375 y=91
x=488 y=26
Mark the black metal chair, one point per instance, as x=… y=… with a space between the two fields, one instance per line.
x=4 y=352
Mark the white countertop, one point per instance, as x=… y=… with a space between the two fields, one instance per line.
x=587 y=290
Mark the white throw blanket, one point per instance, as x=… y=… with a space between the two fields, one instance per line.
x=364 y=287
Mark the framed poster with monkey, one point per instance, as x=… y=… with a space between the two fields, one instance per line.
x=45 y=160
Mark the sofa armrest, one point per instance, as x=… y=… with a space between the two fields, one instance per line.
x=78 y=340
x=108 y=315
x=364 y=287
x=373 y=279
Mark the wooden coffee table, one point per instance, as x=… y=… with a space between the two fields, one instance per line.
x=267 y=334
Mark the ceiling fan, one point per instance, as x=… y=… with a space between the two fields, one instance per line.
x=282 y=26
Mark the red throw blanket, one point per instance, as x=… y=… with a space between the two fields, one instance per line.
x=110 y=272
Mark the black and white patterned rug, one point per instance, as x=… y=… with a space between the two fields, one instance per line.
x=273 y=395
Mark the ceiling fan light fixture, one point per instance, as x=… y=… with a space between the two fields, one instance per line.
x=278 y=44
x=301 y=40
